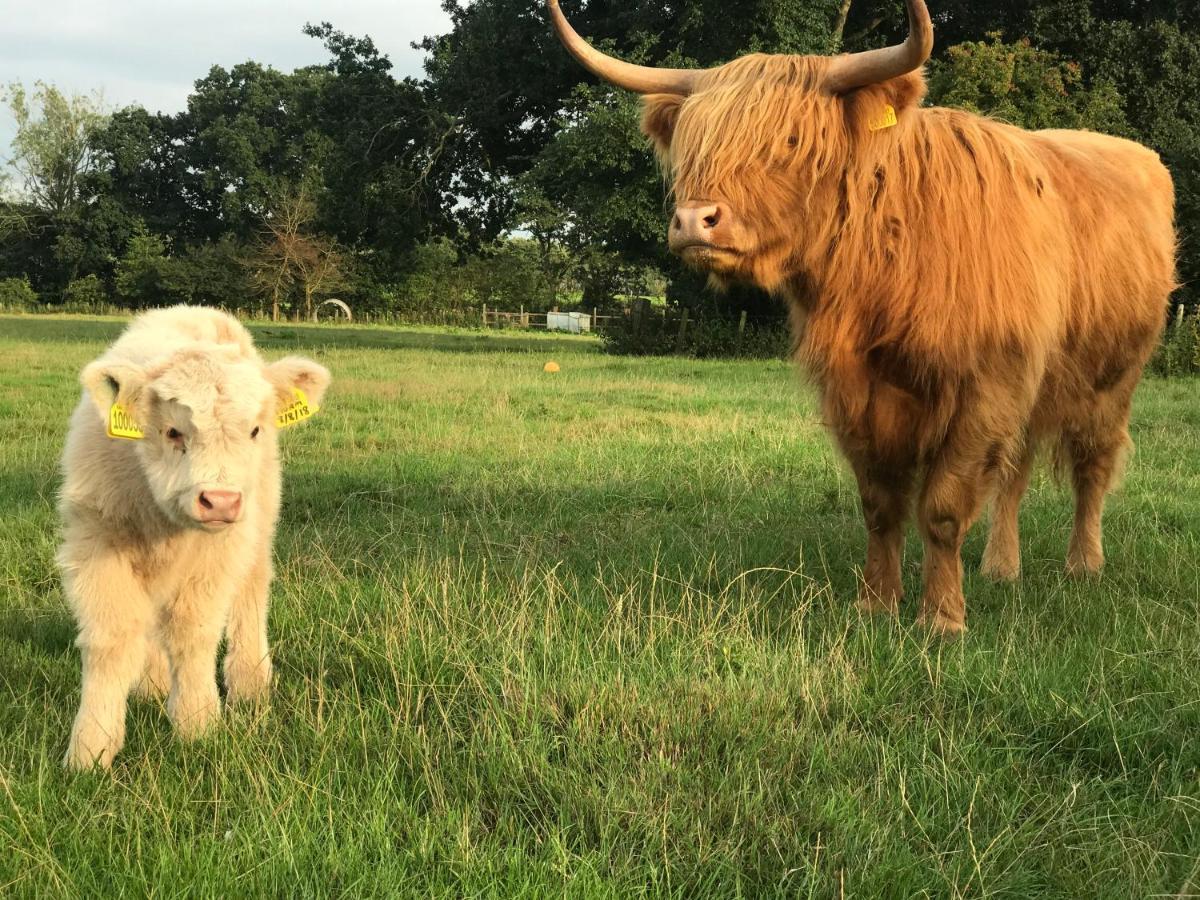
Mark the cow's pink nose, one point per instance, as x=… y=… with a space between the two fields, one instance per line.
x=218 y=506
x=695 y=224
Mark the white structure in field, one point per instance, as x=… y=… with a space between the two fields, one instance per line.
x=574 y=322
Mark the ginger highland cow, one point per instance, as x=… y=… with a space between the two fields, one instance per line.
x=961 y=290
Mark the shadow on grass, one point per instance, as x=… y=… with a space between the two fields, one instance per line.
x=283 y=336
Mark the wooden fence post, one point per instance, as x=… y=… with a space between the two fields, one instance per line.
x=682 y=331
x=524 y=317
x=741 y=329
x=485 y=315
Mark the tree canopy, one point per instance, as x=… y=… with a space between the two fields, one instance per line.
x=509 y=157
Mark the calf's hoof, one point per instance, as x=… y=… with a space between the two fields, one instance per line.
x=247 y=682
x=194 y=715
x=91 y=747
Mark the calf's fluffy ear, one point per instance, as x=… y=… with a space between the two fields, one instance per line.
x=297 y=372
x=107 y=383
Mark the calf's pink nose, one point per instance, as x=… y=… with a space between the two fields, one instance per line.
x=218 y=506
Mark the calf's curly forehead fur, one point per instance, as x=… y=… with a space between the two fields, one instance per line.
x=960 y=290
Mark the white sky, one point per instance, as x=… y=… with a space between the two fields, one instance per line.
x=151 y=51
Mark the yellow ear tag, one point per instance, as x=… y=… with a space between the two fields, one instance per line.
x=886 y=119
x=121 y=424
x=296 y=411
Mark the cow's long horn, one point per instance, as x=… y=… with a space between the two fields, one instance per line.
x=855 y=70
x=642 y=79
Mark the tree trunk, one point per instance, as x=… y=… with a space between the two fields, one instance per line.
x=839 y=29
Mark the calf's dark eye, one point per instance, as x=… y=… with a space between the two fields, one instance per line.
x=254 y=433
x=174 y=434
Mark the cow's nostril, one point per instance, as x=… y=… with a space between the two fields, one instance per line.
x=677 y=223
x=711 y=220
x=205 y=502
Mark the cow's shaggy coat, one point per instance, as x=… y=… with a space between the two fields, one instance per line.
x=961 y=290
x=167 y=539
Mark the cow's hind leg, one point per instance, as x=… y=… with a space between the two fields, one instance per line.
x=1095 y=464
x=886 y=497
x=155 y=682
x=1002 y=555
x=1096 y=454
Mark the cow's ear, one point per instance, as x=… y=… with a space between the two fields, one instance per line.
x=868 y=105
x=294 y=372
x=108 y=382
x=660 y=112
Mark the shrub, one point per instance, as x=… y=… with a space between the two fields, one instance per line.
x=1179 y=351
x=652 y=334
x=17 y=293
x=88 y=292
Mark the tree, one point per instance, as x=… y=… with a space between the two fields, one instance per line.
x=1026 y=86
x=52 y=151
x=289 y=255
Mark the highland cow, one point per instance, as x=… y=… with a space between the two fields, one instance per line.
x=170 y=495
x=961 y=290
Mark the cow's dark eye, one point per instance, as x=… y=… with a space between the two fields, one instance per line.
x=174 y=434
x=254 y=433
x=793 y=141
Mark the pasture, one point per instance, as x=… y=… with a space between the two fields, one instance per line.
x=592 y=634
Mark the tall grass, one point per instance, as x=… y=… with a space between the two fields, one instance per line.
x=589 y=634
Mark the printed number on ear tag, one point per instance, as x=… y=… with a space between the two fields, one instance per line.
x=121 y=424
x=296 y=411
x=885 y=119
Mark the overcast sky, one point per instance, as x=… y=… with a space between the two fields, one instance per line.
x=151 y=51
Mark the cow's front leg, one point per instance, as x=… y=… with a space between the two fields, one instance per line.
x=886 y=496
x=191 y=631
x=114 y=616
x=951 y=498
x=247 y=656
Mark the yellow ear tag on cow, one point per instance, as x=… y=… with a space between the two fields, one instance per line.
x=885 y=119
x=296 y=411
x=121 y=424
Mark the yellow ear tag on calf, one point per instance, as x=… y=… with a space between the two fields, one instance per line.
x=121 y=424
x=296 y=411
x=885 y=119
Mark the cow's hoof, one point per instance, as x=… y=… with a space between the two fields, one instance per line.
x=1000 y=568
x=871 y=604
x=1081 y=565
x=940 y=625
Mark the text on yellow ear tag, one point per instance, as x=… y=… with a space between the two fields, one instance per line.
x=121 y=424
x=885 y=119
x=296 y=411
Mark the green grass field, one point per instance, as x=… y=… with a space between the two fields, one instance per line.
x=591 y=634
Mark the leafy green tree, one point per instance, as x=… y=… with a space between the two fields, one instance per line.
x=1025 y=86
x=53 y=150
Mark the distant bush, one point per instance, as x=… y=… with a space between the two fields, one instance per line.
x=86 y=292
x=654 y=334
x=17 y=293
x=1179 y=351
